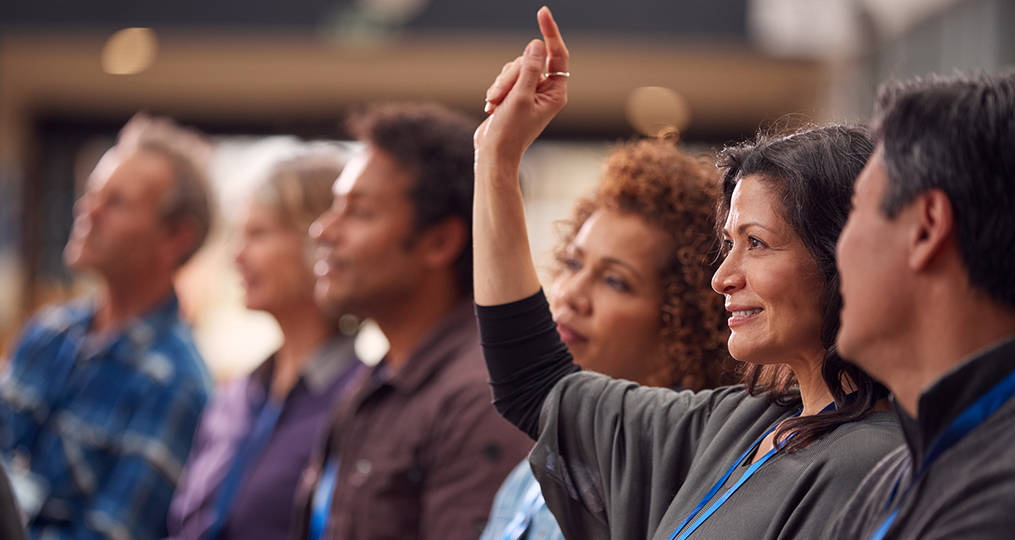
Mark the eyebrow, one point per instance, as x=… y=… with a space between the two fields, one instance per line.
x=744 y=226
x=608 y=260
x=618 y=262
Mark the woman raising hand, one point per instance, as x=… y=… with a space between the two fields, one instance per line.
x=773 y=458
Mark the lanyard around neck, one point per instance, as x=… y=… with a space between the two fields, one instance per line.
x=320 y=505
x=246 y=457
x=718 y=485
x=968 y=420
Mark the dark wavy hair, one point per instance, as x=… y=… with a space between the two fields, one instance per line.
x=434 y=143
x=674 y=193
x=812 y=171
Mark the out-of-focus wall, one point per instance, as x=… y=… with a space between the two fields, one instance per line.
x=862 y=43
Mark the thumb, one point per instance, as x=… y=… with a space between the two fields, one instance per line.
x=533 y=62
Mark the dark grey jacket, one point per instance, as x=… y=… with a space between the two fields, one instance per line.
x=620 y=461
x=616 y=460
x=969 y=491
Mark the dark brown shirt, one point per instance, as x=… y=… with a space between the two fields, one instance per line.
x=422 y=450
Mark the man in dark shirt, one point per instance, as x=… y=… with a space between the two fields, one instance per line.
x=928 y=282
x=418 y=451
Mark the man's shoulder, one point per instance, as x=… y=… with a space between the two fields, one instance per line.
x=53 y=319
x=989 y=450
x=465 y=368
x=172 y=358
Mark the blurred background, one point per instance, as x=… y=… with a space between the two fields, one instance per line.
x=263 y=77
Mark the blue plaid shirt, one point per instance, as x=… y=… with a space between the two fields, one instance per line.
x=107 y=421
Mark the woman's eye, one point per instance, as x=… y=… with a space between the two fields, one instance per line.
x=754 y=242
x=571 y=264
x=725 y=248
x=617 y=284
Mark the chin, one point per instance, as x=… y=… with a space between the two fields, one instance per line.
x=750 y=355
x=846 y=346
x=326 y=299
x=254 y=306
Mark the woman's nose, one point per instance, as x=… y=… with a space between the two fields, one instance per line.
x=729 y=276
x=573 y=292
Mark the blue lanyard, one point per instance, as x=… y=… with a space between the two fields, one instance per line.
x=531 y=503
x=725 y=496
x=968 y=420
x=248 y=452
x=715 y=488
x=321 y=505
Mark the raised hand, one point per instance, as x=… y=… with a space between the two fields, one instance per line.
x=522 y=101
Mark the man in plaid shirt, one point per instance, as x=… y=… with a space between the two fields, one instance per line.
x=100 y=398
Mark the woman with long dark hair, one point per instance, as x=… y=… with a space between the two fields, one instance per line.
x=774 y=458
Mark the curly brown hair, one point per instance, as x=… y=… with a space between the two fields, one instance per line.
x=675 y=193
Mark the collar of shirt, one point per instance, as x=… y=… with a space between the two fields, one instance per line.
x=139 y=332
x=331 y=360
x=448 y=340
x=956 y=390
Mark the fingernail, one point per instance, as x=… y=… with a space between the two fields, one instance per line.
x=535 y=48
x=489 y=106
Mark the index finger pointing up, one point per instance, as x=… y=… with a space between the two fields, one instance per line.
x=557 y=57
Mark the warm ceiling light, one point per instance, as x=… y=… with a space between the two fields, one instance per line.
x=130 y=51
x=655 y=111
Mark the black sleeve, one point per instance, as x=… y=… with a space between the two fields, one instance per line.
x=525 y=357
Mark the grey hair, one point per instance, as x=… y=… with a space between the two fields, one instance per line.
x=189 y=152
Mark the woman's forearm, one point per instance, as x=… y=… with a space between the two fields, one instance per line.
x=522 y=101
x=503 y=266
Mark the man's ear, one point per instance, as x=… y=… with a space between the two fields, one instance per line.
x=179 y=241
x=935 y=226
x=443 y=242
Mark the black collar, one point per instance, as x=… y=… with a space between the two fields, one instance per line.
x=951 y=394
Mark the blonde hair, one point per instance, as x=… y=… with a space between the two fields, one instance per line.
x=299 y=189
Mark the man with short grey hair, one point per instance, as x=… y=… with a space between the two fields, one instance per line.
x=100 y=398
x=928 y=287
